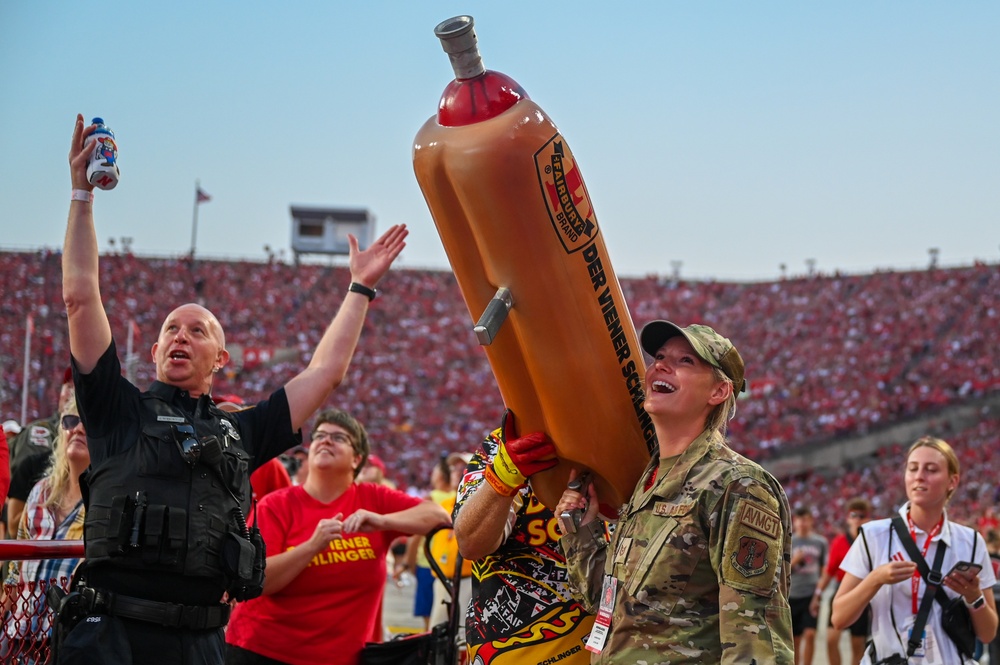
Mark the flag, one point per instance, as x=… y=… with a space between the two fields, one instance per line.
x=201 y=196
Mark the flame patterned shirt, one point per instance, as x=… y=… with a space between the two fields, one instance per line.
x=522 y=610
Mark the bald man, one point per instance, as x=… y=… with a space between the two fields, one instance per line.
x=167 y=543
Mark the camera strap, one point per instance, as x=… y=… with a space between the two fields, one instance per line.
x=932 y=578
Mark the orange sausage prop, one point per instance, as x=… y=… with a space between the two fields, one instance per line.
x=516 y=221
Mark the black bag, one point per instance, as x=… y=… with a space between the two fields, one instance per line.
x=957 y=622
x=421 y=649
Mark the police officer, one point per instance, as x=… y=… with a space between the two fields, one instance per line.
x=698 y=568
x=166 y=539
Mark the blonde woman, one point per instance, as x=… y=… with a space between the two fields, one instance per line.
x=698 y=570
x=54 y=511
x=879 y=571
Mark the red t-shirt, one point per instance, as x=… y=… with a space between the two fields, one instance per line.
x=330 y=609
x=838 y=550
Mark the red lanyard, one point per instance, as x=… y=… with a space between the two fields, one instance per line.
x=915 y=582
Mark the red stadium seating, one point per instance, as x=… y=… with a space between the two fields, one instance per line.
x=827 y=356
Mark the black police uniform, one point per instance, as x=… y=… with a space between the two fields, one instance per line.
x=166 y=492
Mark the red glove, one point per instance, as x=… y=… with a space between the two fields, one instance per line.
x=518 y=458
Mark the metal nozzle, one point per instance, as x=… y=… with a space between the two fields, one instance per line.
x=458 y=39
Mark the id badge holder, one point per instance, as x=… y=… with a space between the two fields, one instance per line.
x=921 y=653
x=602 y=622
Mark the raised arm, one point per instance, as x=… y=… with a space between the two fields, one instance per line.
x=309 y=389
x=89 y=330
x=482 y=521
x=484 y=516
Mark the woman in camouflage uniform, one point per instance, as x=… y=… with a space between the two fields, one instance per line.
x=698 y=568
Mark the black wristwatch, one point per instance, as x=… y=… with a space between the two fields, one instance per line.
x=363 y=290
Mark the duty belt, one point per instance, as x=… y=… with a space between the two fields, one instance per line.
x=173 y=615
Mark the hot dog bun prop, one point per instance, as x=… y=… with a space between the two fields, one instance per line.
x=519 y=230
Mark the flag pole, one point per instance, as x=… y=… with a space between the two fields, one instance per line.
x=194 y=218
x=130 y=359
x=29 y=328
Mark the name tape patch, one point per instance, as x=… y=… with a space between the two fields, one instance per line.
x=663 y=509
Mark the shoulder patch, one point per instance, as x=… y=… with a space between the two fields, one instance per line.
x=751 y=558
x=752 y=548
x=759 y=519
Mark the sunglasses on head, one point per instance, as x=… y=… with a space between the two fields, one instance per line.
x=69 y=421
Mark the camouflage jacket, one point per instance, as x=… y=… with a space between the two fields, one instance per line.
x=701 y=560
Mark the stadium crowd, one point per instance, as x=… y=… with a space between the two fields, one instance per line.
x=879 y=480
x=828 y=355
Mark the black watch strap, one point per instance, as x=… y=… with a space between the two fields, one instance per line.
x=363 y=290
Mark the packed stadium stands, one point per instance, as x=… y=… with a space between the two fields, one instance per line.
x=828 y=356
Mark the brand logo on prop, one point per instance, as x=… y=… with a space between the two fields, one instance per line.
x=565 y=195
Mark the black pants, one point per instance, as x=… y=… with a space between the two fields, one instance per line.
x=238 y=656
x=153 y=644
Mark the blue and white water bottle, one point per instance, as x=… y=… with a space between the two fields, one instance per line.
x=102 y=170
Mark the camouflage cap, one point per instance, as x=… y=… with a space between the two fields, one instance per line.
x=710 y=346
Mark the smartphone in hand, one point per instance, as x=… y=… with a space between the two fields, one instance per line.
x=967 y=567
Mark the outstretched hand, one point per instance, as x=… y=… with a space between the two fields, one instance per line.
x=369 y=265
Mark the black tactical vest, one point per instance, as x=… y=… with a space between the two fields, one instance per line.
x=149 y=508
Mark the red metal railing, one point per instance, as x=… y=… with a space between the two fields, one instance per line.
x=24 y=633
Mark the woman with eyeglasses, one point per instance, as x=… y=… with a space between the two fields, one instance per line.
x=54 y=511
x=327 y=542
x=882 y=569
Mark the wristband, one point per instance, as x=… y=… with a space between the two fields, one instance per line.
x=818 y=592
x=363 y=290
x=81 y=195
x=977 y=604
x=502 y=488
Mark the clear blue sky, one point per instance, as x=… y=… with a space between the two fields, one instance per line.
x=730 y=136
